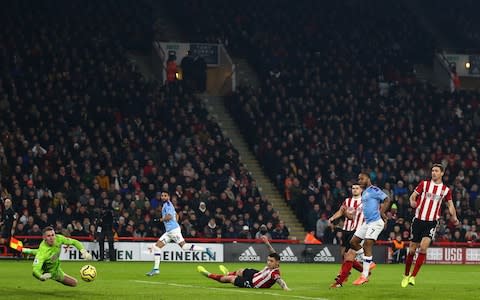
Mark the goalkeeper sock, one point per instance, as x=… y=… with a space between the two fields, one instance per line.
x=156 y=253
x=192 y=247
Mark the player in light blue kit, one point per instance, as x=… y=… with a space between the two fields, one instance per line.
x=375 y=202
x=172 y=233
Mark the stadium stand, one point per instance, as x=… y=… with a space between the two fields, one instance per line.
x=81 y=129
x=339 y=96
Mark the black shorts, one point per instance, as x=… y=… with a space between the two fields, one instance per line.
x=346 y=237
x=421 y=229
x=245 y=281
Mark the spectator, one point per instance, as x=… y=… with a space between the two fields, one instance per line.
x=398 y=250
x=322 y=224
x=263 y=231
x=245 y=233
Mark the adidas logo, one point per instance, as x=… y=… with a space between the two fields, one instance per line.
x=288 y=255
x=324 y=256
x=249 y=255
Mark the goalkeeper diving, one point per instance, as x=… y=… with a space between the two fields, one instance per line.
x=47 y=257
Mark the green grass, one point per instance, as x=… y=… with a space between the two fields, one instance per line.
x=127 y=280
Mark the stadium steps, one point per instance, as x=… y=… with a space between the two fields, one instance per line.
x=424 y=73
x=246 y=76
x=216 y=108
x=142 y=64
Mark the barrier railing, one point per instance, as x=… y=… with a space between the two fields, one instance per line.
x=440 y=244
x=148 y=239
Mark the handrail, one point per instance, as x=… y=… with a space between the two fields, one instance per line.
x=233 y=240
x=439 y=244
x=143 y=239
x=444 y=63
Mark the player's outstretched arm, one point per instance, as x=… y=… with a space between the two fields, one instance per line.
x=283 y=284
x=29 y=251
x=264 y=239
x=76 y=244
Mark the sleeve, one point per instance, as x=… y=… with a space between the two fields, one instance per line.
x=381 y=195
x=448 y=196
x=276 y=276
x=38 y=264
x=68 y=241
x=419 y=187
x=30 y=251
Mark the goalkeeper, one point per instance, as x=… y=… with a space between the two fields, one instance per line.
x=47 y=257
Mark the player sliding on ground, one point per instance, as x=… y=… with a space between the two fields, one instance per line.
x=251 y=278
x=47 y=257
x=173 y=233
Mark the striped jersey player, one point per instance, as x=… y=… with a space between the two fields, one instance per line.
x=251 y=278
x=427 y=199
x=352 y=209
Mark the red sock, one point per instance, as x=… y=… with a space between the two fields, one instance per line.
x=408 y=263
x=357 y=266
x=346 y=267
x=231 y=273
x=418 y=263
x=215 y=277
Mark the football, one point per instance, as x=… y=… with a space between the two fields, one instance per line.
x=88 y=273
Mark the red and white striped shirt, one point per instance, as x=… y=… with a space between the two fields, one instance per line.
x=265 y=278
x=355 y=203
x=429 y=201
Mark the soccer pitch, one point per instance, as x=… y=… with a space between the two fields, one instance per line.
x=127 y=280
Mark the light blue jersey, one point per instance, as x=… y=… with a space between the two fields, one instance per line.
x=168 y=209
x=371 y=199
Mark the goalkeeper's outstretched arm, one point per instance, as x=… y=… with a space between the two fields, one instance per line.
x=76 y=244
x=29 y=251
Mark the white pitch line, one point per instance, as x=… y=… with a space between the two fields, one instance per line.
x=227 y=290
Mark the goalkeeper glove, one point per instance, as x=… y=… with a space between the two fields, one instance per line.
x=86 y=255
x=45 y=276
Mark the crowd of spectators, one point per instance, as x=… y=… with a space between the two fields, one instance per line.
x=339 y=96
x=82 y=130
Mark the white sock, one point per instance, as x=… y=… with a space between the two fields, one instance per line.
x=157 y=254
x=359 y=255
x=192 y=247
x=366 y=265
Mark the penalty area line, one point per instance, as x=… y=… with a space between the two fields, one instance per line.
x=228 y=290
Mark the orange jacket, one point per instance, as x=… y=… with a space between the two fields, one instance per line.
x=311 y=239
x=398 y=245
